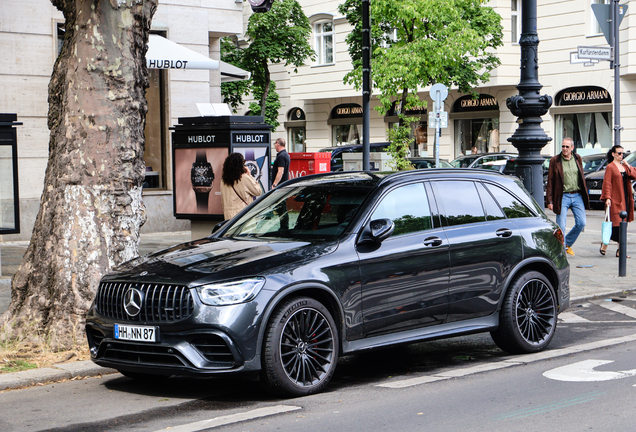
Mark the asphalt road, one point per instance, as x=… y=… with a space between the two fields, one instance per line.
x=465 y=383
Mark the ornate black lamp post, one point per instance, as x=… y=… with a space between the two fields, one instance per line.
x=529 y=106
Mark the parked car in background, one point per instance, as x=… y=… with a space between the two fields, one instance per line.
x=337 y=163
x=485 y=160
x=427 y=162
x=510 y=165
x=594 y=184
x=333 y=264
x=594 y=163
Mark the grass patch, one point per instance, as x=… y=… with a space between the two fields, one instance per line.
x=17 y=366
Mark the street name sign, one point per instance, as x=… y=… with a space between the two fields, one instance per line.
x=594 y=53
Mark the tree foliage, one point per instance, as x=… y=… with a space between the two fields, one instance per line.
x=272 y=105
x=233 y=92
x=417 y=43
x=278 y=36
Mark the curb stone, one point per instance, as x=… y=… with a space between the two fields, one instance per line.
x=57 y=372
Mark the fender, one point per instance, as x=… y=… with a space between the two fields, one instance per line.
x=286 y=292
x=523 y=264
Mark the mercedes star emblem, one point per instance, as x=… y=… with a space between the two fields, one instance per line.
x=132 y=302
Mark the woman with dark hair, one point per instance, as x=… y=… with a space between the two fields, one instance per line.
x=617 y=190
x=238 y=187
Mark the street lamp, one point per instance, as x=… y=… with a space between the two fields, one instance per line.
x=529 y=106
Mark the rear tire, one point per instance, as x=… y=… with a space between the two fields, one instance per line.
x=300 y=348
x=528 y=316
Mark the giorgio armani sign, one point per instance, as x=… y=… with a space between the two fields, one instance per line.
x=483 y=103
x=583 y=96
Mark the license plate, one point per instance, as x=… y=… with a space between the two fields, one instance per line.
x=136 y=333
x=595 y=192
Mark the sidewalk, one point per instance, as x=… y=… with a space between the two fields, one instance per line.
x=590 y=275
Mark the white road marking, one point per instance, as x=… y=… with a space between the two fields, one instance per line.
x=412 y=382
x=583 y=371
x=233 y=418
x=571 y=318
x=617 y=307
x=511 y=361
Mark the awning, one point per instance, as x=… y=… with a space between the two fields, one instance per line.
x=165 y=54
x=231 y=73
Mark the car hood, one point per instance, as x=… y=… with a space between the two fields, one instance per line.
x=213 y=259
x=598 y=175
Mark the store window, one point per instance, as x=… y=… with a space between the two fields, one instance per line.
x=155 y=149
x=476 y=123
x=585 y=115
x=323 y=42
x=296 y=132
x=346 y=124
x=419 y=145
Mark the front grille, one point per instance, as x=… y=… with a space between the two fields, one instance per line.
x=594 y=184
x=214 y=348
x=160 y=303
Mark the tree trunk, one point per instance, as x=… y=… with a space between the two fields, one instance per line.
x=266 y=85
x=91 y=208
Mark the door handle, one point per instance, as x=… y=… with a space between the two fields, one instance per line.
x=432 y=241
x=503 y=232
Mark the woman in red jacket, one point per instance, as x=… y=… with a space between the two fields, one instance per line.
x=617 y=190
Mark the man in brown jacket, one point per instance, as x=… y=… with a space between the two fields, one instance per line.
x=566 y=190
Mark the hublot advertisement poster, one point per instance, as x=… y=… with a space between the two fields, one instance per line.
x=200 y=146
x=197 y=177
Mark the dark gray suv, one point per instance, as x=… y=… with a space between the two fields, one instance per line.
x=328 y=265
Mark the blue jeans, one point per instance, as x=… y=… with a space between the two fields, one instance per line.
x=575 y=203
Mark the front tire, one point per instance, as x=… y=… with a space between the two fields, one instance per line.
x=528 y=317
x=300 y=349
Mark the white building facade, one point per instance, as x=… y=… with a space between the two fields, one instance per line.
x=319 y=111
x=31 y=32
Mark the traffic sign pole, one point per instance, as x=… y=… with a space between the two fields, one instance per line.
x=439 y=93
x=617 y=73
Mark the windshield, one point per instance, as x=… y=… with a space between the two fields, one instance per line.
x=301 y=213
x=463 y=162
x=591 y=165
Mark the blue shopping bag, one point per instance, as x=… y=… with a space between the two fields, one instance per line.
x=606 y=228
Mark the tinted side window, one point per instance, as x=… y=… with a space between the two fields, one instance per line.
x=460 y=202
x=493 y=212
x=512 y=207
x=407 y=207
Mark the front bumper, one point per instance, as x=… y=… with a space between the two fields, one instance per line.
x=214 y=340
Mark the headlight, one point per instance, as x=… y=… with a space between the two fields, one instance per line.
x=229 y=293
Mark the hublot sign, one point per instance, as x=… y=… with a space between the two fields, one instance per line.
x=250 y=138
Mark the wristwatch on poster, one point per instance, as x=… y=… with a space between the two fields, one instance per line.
x=202 y=177
x=252 y=165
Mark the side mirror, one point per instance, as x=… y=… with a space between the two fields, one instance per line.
x=377 y=231
x=218 y=226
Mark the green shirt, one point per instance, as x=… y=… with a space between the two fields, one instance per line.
x=570 y=175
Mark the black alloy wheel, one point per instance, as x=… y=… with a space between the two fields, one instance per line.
x=300 y=350
x=528 y=316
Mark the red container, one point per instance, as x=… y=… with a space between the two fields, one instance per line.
x=303 y=164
